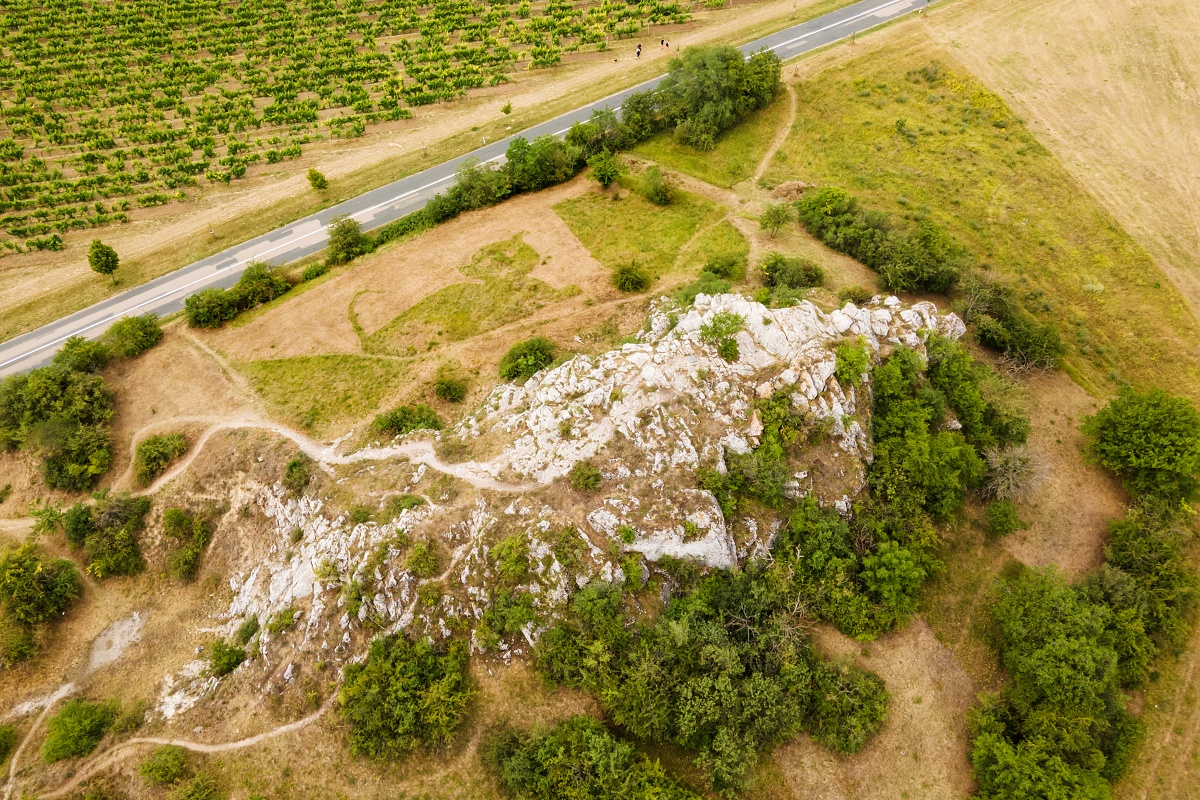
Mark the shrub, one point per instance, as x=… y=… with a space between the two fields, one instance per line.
x=775 y=217
x=109 y=533
x=848 y=707
x=1151 y=439
x=132 y=336
x=282 y=620
x=18 y=642
x=422 y=560
x=314 y=271
x=346 y=241
x=853 y=361
x=450 y=388
x=606 y=168
x=657 y=188
x=708 y=284
x=577 y=758
x=212 y=308
x=246 y=631
x=201 y=787
x=893 y=575
x=296 y=475
x=999 y=323
x=726 y=265
x=193 y=531
x=794 y=273
x=34 y=589
x=317 y=180
x=224 y=658
x=546 y=161
x=728 y=349
x=854 y=294
x=76 y=729
x=525 y=359
x=407 y=419
x=1002 y=518
x=400 y=503
x=1013 y=473
x=425 y=689
x=630 y=278
x=166 y=765
x=155 y=453
x=584 y=477
x=8 y=741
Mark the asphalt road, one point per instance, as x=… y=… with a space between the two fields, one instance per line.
x=380 y=206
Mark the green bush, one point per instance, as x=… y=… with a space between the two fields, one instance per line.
x=314 y=271
x=407 y=419
x=193 y=532
x=296 y=475
x=728 y=350
x=132 y=336
x=282 y=620
x=34 y=589
x=726 y=266
x=606 y=168
x=406 y=696
x=853 y=361
x=630 y=278
x=224 y=658
x=793 y=273
x=346 y=241
x=18 y=643
x=166 y=765
x=532 y=166
x=212 y=308
x=854 y=294
x=657 y=188
x=400 y=503
x=108 y=533
x=584 y=477
x=450 y=389
x=525 y=359
x=1151 y=439
x=422 y=560
x=201 y=787
x=775 y=217
x=1002 y=518
x=155 y=453
x=246 y=631
x=848 y=707
x=708 y=284
x=61 y=414
x=8 y=741
x=1001 y=324
x=76 y=729
x=578 y=759
x=317 y=180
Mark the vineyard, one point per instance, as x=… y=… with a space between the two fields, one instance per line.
x=105 y=106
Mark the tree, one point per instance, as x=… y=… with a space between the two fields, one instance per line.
x=775 y=217
x=894 y=576
x=317 y=180
x=1151 y=439
x=346 y=241
x=103 y=259
x=606 y=168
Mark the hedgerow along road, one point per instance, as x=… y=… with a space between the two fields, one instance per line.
x=375 y=208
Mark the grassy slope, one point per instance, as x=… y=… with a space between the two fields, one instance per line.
x=737 y=152
x=952 y=151
x=633 y=230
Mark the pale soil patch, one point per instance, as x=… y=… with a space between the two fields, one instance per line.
x=1068 y=519
x=386 y=284
x=1113 y=88
x=167 y=237
x=921 y=751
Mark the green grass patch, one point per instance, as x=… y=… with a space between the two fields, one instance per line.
x=318 y=392
x=928 y=141
x=501 y=292
x=721 y=241
x=634 y=230
x=736 y=155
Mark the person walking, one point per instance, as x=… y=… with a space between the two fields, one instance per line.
x=638 y=54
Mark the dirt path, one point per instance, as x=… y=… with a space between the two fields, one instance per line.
x=780 y=135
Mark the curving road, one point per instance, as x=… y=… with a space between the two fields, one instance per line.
x=380 y=206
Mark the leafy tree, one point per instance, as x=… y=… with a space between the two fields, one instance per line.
x=546 y=161
x=708 y=91
x=607 y=169
x=80 y=355
x=317 y=180
x=103 y=259
x=210 y=308
x=525 y=359
x=34 y=589
x=154 y=453
x=76 y=729
x=406 y=696
x=775 y=217
x=631 y=278
x=1151 y=439
x=346 y=241
x=894 y=576
x=577 y=759
x=108 y=533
